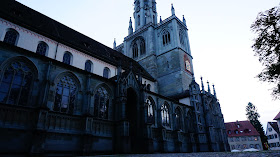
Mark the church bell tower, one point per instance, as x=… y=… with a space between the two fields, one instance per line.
x=145 y=12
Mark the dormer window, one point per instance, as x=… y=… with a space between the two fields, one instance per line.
x=236 y=131
x=238 y=125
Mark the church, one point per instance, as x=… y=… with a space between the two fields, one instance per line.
x=62 y=92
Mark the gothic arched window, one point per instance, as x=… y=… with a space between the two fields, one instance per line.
x=66 y=93
x=166 y=38
x=11 y=37
x=151 y=115
x=135 y=50
x=101 y=103
x=106 y=72
x=178 y=116
x=165 y=115
x=15 y=85
x=42 y=48
x=142 y=47
x=67 y=58
x=138 y=20
x=190 y=122
x=88 y=66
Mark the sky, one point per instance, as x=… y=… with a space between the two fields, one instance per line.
x=220 y=39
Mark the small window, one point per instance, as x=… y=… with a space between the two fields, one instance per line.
x=88 y=66
x=42 y=48
x=237 y=139
x=149 y=87
x=236 y=131
x=138 y=20
x=67 y=58
x=255 y=138
x=106 y=72
x=229 y=132
x=275 y=135
x=11 y=37
x=269 y=129
x=238 y=126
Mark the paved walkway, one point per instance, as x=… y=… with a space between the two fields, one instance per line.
x=207 y=154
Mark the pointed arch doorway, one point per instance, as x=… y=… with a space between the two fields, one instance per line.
x=132 y=116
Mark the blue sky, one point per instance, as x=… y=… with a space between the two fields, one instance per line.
x=220 y=38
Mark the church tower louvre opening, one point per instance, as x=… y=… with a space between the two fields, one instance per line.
x=79 y=97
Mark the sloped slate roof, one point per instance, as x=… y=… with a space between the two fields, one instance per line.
x=244 y=125
x=277 y=116
x=274 y=126
x=30 y=19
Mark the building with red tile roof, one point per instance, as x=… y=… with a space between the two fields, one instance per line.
x=277 y=116
x=243 y=135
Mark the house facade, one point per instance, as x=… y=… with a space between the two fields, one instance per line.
x=242 y=135
x=272 y=133
x=62 y=92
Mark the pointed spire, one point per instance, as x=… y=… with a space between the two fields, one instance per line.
x=208 y=87
x=160 y=20
x=202 y=85
x=130 y=28
x=114 y=45
x=184 y=20
x=172 y=10
x=214 y=91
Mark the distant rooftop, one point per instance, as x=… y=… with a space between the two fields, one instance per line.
x=240 y=128
x=277 y=116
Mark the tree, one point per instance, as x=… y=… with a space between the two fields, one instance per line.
x=267 y=46
x=253 y=116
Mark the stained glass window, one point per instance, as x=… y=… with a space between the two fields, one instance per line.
x=67 y=58
x=11 y=37
x=42 y=48
x=151 y=116
x=66 y=90
x=178 y=116
x=16 y=82
x=88 y=66
x=106 y=72
x=101 y=103
x=165 y=115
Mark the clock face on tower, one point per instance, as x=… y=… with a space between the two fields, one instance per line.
x=188 y=65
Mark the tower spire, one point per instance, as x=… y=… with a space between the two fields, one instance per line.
x=208 y=87
x=130 y=28
x=172 y=10
x=214 y=91
x=114 y=45
x=202 y=85
x=145 y=12
x=184 y=20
